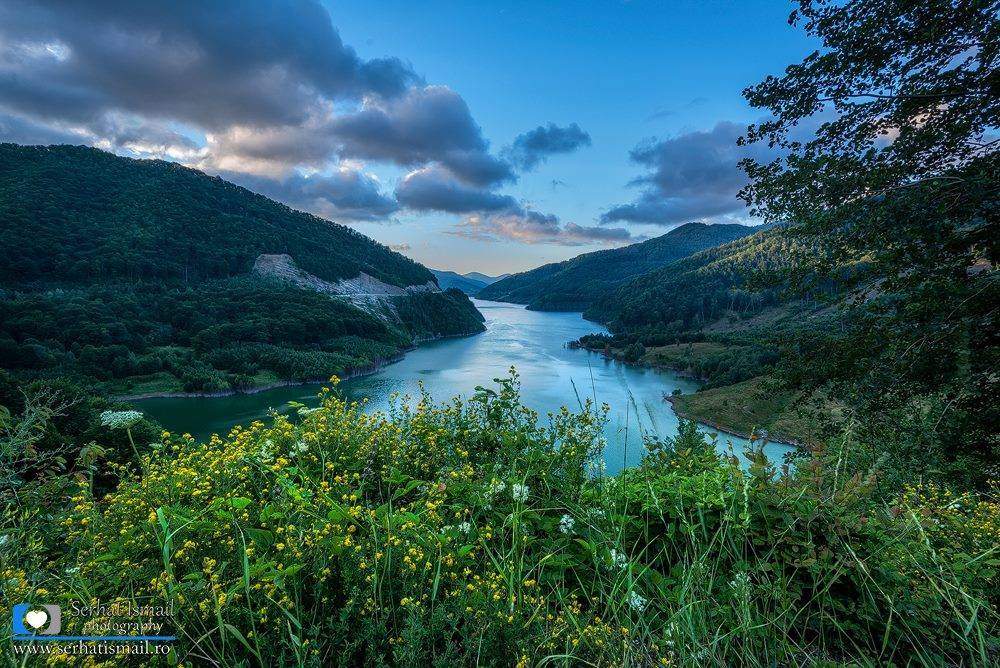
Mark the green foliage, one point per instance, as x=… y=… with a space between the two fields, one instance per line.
x=575 y=284
x=50 y=427
x=440 y=314
x=742 y=277
x=80 y=215
x=130 y=274
x=908 y=91
x=904 y=179
x=464 y=533
x=200 y=336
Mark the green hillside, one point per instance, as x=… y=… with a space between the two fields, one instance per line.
x=77 y=214
x=136 y=276
x=740 y=279
x=573 y=285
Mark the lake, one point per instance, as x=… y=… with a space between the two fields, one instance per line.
x=534 y=342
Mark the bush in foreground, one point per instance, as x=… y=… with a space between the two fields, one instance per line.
x=463 y=533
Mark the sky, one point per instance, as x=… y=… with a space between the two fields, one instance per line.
x=489 y=137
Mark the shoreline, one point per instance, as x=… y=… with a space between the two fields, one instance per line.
x=356 y=372
x=725 y=430
x=686 y=416
x=257 y=389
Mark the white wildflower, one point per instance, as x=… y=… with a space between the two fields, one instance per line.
x=496 y=487
x=566 y=524
x=465 y=527
x=618 y=560
x=637 y=602
x=301 y=446
x=519 y=492
x=120 y=419
x=740 y=583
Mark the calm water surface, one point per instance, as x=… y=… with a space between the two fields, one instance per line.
x=533 y=342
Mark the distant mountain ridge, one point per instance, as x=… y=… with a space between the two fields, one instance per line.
x=573 y=285
x=451 y=279
x=484 y=278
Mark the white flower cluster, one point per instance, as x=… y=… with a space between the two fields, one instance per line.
x=519 y=492
x=740 y=583
x=120 y=419
x=465 y=527
x=636 y=600
x=566 y=524
x=301 y=446
x=618 y=560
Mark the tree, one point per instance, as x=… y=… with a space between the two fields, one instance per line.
x=898 y=182
x=909 y=91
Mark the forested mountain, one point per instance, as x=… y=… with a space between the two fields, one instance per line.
x=740 y=278
x=77 y=214
x=451 y=279
x=574 y=284
x=139 y=276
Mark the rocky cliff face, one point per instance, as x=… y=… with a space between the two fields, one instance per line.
x=422 y=310
x=361 y=287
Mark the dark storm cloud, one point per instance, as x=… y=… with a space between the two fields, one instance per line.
x=427 y=124
x=347 y=194
x=264 y=93
x=692 y=176
x=435 y=189
x=209 y=63
x=23 y=131
x=493 y=216
x=534 y=146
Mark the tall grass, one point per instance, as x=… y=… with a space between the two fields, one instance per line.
x=465 y=534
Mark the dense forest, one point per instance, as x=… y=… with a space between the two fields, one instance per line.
x=574 y=284
x=134 y=276
x=81 y=215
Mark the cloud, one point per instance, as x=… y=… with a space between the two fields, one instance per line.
x=665 y=112
x=436 y=189
x=533 y=147
x=399 y=248
x=692 y=176
x=427 y=124
x=531 y=227
x=347 y=193
x=263 y=93
x=208 y=63
x=25 y=131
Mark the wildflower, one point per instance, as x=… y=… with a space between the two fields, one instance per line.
x=566 y=524
x=465 y=527
x=637 y=602
x=120 y=419
x=301 y=446
x=519 y=492
x=618 y=560
x=740 y=583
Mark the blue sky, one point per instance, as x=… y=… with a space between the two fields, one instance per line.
x=398 y=118
x=624 y=71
